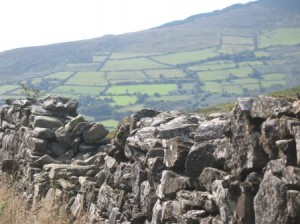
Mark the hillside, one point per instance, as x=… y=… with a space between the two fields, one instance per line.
x=206 y=59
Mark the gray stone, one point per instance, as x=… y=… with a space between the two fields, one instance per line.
x=171 y=183
x=74 y=122
x=70 y=170
x=47 y=122
x=271 y=200
x=291 y=177
x=293 y=207
x=44 y=133
x=208 y=176
x=176 y=152
x=147 y=198
x=37 y=145
x=94 y=133
x=266 y=106
x=45 y=159
x=63 y=136
x=206 y=201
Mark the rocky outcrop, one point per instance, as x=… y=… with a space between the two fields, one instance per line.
x=160 y=167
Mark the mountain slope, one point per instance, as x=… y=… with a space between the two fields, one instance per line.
x=197 y=62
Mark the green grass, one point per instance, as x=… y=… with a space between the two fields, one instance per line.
x=268 y=84
x=234 y=89
x=244 y=32
x=282 y=36
x=245 y=81
x=250 y=63
x=274 y=76
x=289 y=93
x=99 y=58
x=131 y=64
x=120 y=100
x=237 y=40
x=88 y=79
x=132 y=108
x=170 y=98
x=235 y=49
x=260 y=54
x=150 y=89
x=251 y=87
x=186 y=57
x=207 y=66
x=213 y=75
x=109 y=123
x=83 y=67
x=78 y=90
x=129 y=75
x=166 y=73
x=59 y=75
x=212 y=87
x=8 y=88
x=125 y=55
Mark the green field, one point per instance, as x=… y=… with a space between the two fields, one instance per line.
x=233 y=89
x=126 y=55
x=185 y=57
x=242 y=32
x=235 y=48
x=78 y=90
x=282 y=36
x=151 y=89
x=88 y=79
x=129 y=75
x=83 y=67
x=170 y=98
x=109 y=124
x=213 y=75
x=275 y=76
x=58 y=75
x=99 y=58
x=245 y=81
x=212 y=87
x=131 y=64
x=119 y=100
x=268 y=84
x=209 y=66
x=165 y=73
x=237 y=40
x=7 y=88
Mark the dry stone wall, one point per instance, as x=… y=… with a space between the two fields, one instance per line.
x=161 y=167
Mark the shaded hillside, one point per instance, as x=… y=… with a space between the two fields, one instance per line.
x=206 y=59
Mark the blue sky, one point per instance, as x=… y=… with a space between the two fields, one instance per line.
x=39 y=22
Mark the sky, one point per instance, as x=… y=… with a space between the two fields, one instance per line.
x=40 y=22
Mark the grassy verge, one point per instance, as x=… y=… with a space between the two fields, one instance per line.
x=13 y=210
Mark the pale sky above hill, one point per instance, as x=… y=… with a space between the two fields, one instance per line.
x=40 y=22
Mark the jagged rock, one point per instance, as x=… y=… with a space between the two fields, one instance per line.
x=44 y=133
x=45 y=159
x=156 y=167
x=287 y=148
x=212 y=129
x=138 y=175
x=205 y=200
x=57 y=148
x=293 y=207
x=108 y=198
x=171 y=211
x=57 y=171
x=60 y=104
x=225 y=202
x=195 y=217
x=37 y=145
x=63 y=136
x=78 y=130
x=208 y=176
x=47 y=122
x=77 y=206
x=74 y=122
x=170 y=184
x=94 y=133
x=176 y=152
x=271 y=199
x=147 y=198
x=200 y=156
x=157 y=213
x=266 y=106
x=291 y=177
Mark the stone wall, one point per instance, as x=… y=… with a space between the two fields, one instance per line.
x=161 y=167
